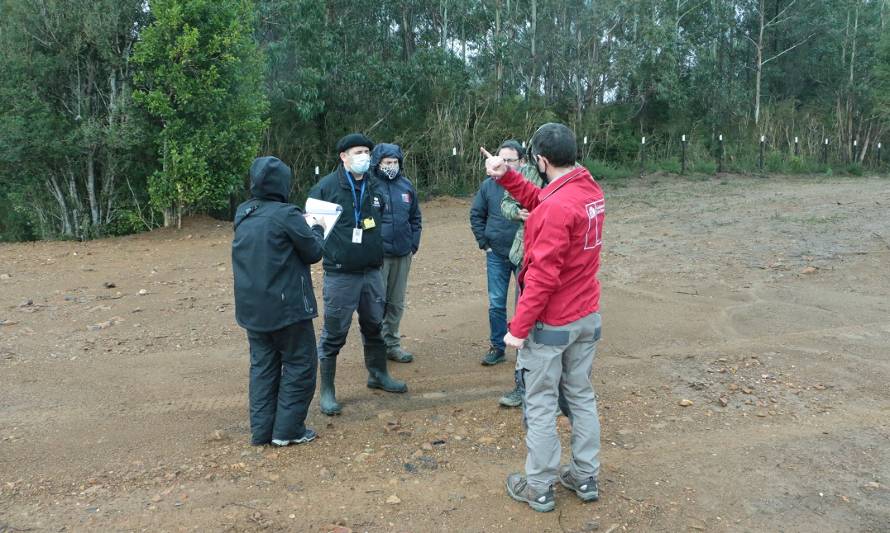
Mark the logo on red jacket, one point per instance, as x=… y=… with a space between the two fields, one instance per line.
x=595 y=215
x=406 y=197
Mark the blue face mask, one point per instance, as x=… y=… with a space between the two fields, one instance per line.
x=359 y=163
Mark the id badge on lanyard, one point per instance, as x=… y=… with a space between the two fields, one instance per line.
x=357 y=201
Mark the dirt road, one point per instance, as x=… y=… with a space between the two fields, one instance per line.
x=766 y=303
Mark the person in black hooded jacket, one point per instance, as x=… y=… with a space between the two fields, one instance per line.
x=401 y=226
x=272 y=249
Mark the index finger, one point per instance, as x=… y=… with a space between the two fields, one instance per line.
x=485 y=152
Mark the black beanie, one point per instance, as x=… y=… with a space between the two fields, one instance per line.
x=352 y=140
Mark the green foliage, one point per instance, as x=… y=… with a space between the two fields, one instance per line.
x=16 y=223
x=854 y=169
x=219 y=82
x=69 y=131
x=201 y=78
x=705 y=166
x=672 y=165
x=609 y=171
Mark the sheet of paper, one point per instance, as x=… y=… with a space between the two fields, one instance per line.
x=326 y=211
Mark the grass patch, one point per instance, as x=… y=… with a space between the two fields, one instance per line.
x=609 y=171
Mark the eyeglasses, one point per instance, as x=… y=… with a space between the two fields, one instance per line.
x=511 y=160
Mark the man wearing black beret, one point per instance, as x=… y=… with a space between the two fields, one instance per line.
x=353 y=255
x=271 y=253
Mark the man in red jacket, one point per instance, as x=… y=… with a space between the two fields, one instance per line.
x=557 y=322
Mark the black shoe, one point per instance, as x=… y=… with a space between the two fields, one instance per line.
x=494 y=356
x=308 y=436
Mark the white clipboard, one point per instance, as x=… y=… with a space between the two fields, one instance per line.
x=326 y=211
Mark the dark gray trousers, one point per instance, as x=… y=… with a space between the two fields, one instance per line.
x=343 y=295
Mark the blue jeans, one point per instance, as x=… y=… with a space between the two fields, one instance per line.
x=499 y=270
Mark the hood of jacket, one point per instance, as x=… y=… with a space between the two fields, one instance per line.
x=270 y=179
x=384 y=150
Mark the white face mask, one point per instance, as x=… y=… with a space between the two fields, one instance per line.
x=359 y=163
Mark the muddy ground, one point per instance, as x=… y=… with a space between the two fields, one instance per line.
x=765 y=302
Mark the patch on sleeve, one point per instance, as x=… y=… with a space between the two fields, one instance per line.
x=596 y=212
x=406 y=197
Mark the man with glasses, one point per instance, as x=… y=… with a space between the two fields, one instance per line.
x=495 y=235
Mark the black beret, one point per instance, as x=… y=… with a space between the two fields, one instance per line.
x=352 y=140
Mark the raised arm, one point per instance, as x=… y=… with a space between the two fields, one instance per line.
x=525 y=192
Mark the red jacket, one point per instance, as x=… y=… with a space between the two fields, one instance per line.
x=563 y=239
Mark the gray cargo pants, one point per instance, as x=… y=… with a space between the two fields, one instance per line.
x=343 y=295
x=554 y=360
x=395 y=281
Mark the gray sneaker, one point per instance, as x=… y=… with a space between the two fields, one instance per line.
x=587 y=489
x=308 y=436
x=518 y=489
x=512 y=398
x=399 y=355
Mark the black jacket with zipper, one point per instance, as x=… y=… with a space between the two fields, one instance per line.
x=341 y=255
x=271 y=253
x=490 y=227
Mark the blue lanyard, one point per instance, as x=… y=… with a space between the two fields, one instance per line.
x=357 y=201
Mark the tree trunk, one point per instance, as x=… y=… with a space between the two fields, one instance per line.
x=499 y=63
x=759 y=70
x=444 y=36
x=95 y=219
x=65 y=216
x=853 y=44
x=76 y=206
x=463 y=40
x=533 y=77
x=407 y=34
x=579 y=94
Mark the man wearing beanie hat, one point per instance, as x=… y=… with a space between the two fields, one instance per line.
x=353 y=255
x=271 y=253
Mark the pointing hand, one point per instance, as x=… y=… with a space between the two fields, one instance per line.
x=495 y=166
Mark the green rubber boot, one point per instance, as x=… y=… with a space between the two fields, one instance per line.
x=378 y=375
x=327 y=401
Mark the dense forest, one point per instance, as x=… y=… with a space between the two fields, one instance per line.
x=123 y=115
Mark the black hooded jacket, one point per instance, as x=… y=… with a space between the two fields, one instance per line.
x=271 y=253
x=401 y=215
